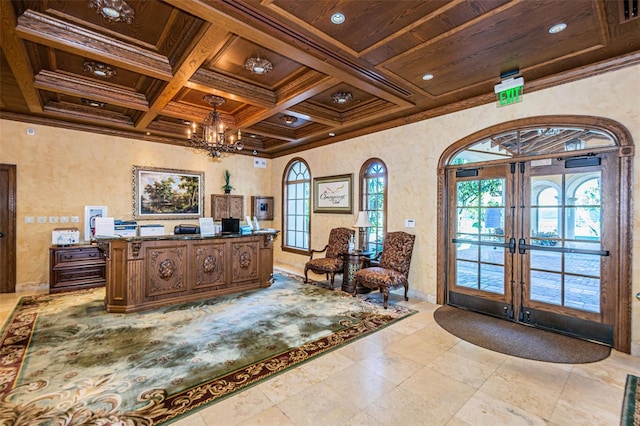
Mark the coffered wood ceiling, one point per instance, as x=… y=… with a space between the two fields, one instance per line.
x=174 y=52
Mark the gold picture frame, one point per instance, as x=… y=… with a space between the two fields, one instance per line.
x=333 y=194
x=167 y=193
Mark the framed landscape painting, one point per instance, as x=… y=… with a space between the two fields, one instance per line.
x=332 y=194
x=167 y=193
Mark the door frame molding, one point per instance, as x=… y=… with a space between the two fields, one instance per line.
x=10 y=232
x=626 y=151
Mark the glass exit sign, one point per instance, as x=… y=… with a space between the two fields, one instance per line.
x=509 y=91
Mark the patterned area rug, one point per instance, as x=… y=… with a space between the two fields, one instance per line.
x=631 y=403
x=65 y=361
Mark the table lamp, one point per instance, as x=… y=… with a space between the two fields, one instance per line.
x=362 y=223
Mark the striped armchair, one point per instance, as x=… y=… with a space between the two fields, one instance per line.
x=393 y=270
x=332 y=263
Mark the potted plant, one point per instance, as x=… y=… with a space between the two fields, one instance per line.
x=227 y=182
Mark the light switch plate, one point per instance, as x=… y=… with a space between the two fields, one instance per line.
x=409 y=223
x=42 y=219
x=75 y=219
x=29 y=219
x=260 y=163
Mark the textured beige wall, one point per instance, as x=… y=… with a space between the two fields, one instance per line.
x=60 y=171
x=411 y=154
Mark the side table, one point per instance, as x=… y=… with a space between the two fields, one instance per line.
x=352 y=262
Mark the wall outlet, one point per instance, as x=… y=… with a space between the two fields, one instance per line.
x=42 y=219
x=29 y=219
x=409 y=223
x=75 y=219
x=64 y=219
x=53 y=219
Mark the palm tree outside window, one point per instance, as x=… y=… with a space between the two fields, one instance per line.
x=373 y=200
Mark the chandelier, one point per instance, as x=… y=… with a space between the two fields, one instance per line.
x=211 y=136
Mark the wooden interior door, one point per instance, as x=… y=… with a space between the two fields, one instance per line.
x=7 y=228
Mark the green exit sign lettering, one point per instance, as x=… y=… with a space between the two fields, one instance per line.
x=509 y=91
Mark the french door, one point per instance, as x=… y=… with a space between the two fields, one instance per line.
x=531 y=241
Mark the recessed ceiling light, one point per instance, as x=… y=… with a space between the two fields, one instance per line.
x=337 y=18
x=427 y=77
x=332 y=134
x=555 y=29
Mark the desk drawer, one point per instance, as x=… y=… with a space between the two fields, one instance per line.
x=66 y=277
x=84 y=255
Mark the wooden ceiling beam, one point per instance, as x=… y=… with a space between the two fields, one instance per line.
x=15 y=52
x=90 y=89
x=307 y=85
x=194 y=113
x=87 y=114
x=52 y=32
x=218 y=84
x=250 y=31
x=211 y=41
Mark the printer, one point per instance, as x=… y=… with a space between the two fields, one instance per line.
x=125 y=228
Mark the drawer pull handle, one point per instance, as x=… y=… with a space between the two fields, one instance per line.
x=66 y=256
x=93 y=254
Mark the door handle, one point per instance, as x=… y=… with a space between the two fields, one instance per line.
x=522 y=246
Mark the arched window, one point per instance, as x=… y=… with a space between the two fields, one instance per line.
x=296 y=207
x=373 y=200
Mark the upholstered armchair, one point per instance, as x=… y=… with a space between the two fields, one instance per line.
x=393 y=270
x=332 y=262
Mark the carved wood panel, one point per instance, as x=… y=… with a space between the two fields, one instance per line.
x=166 y=270
x=208 y=265
x=225 y=205
x=245 y=261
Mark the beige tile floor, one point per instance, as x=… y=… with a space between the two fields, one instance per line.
x=415 y=373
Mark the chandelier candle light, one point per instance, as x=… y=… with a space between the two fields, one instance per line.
x=362 y=223
x=212 y=137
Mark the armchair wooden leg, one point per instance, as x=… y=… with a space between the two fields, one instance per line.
x=333 y=276
x=385 y=293
x=406 y=289
x=306 y=280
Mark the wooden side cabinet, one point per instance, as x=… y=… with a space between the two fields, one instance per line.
x=226 y=205
x=75 y=268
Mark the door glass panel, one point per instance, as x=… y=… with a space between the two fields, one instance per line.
x=546 y=287
x=466 y=251
x=481 y=215
x=566 y=213
x=545 y=260
x=467 y=274
x=583 y=264
x=492 y=278
x=582 y=293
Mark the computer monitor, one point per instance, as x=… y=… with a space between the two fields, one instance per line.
x=230 y=226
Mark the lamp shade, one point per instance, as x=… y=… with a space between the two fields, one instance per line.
x=362 y=221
